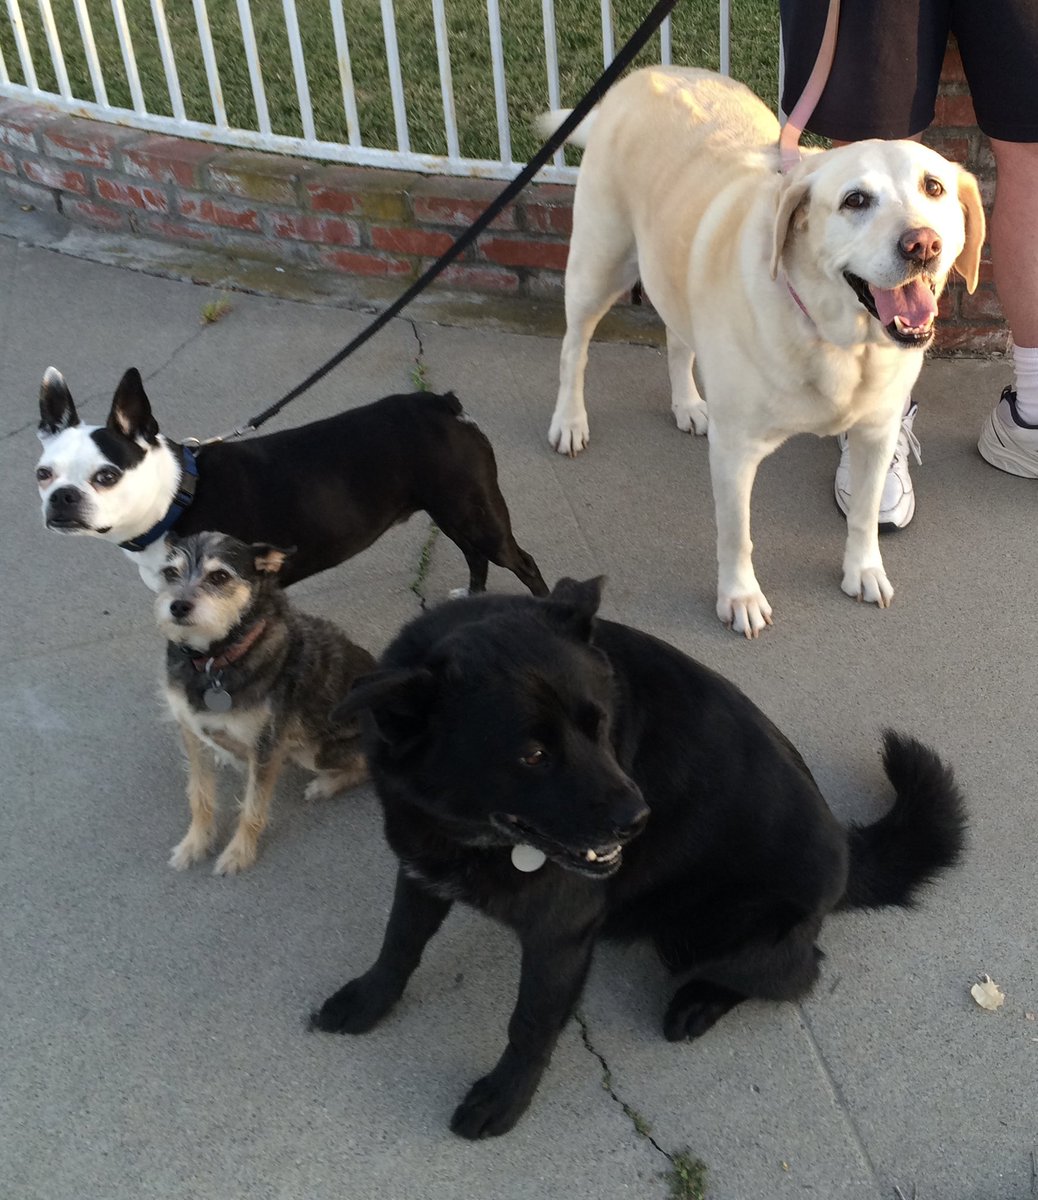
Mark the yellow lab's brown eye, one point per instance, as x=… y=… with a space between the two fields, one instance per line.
x=933 y=187
x=855 y=200
x=534 y=757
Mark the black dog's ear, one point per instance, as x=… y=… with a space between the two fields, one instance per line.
x=57 y=412
x=399 y=702
x=269 y=560
x=572 y=605
x=130 y=413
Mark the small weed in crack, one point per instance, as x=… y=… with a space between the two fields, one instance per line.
x=418 y=376
x=424 y=564
x=420 y=380
x=215 y=310
x=686 y=1176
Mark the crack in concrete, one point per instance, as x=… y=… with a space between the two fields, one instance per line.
x=418 y=372
x=679 y=1162
x=91 y=398
x=31 y=424
x=61 y=652
x=839 y=1100
x=176 y=352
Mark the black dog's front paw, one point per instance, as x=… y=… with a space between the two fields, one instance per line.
x=355 y=1008
x=695 y=1008
x=493 y=1105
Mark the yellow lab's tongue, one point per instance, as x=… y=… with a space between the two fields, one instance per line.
x=914 y=303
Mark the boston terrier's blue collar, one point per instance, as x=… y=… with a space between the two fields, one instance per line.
x=181 y=503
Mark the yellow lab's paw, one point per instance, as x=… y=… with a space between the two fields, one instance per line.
x=692 y=417
x=747 y=613
x=869 y=584
x=569 y=437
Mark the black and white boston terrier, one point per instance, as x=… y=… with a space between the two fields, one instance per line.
x=329 y=488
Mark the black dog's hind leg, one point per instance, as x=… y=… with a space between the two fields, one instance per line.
x=525 y=569
x=783 y=969
x=554 y=967
x=695 y=1007
x=364 y=1001
x=504 y=551
x=478 y=565
x=479 y=525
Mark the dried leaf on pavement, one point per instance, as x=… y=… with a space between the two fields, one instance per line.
x=988 y=994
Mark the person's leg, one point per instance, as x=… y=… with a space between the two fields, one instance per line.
x=1009 y=437
x=885 y=70
x=999 y=46
x=1013 y=234
x=1014 y=257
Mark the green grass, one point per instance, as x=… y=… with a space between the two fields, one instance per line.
x=694 y=35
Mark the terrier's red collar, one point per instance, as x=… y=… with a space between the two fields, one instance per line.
x=206 y=662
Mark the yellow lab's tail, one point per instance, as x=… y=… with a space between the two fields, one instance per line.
x=548 y=122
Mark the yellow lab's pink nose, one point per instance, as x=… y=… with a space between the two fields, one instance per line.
x=920 y=245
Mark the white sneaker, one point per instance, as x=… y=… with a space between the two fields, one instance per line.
x=1006 y=442
x=897 y=506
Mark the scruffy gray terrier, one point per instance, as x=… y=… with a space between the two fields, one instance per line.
x=250 y=680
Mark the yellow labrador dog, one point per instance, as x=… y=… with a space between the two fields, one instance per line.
x=807 y=299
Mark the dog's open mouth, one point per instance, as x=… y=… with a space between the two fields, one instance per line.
x=907 y=312
x=597 y=861
x=72 y=525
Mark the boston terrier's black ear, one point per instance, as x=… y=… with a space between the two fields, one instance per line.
x=130 y=414
x=571 y=607
x=57 y=412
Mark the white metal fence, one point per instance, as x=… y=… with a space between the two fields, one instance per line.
x=83 y=59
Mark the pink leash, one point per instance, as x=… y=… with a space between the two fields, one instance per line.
x=789 y=138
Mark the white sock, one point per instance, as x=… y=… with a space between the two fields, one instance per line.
x=1025 y=374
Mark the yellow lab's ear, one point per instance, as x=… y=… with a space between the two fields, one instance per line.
x=968 y=262
x=792 y=206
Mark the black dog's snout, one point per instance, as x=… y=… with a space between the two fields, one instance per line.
x=64 y=497
x=630 y=820
x=180 y=608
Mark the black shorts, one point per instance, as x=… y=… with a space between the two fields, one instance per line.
x=888 y=64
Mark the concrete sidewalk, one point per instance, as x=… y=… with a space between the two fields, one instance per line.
x=152 y=1022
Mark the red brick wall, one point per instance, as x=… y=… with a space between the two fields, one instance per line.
x=353 y=220
x=365 y=222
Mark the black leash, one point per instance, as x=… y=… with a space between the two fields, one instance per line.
x=620 y=63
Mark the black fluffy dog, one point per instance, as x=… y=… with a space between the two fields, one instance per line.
x=572 y=778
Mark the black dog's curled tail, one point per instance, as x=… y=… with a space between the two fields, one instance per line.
x=922 y=835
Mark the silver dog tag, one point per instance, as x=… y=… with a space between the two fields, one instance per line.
x=216 y=699
x=527 y=858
